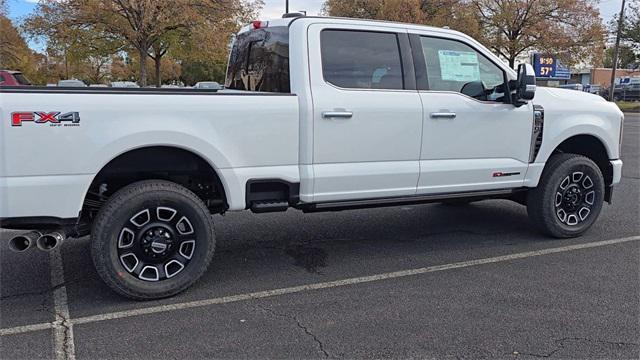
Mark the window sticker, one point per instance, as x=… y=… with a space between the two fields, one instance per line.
x=459 y=66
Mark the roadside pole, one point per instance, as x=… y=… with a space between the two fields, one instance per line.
x=615 y=52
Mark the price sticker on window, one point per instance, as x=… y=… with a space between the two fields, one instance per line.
x=461 y=66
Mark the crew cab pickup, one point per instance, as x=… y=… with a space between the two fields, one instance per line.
x=317 y=114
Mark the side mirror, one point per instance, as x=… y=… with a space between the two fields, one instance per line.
x=526 y=83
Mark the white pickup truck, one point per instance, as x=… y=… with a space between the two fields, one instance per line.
x=318 y=114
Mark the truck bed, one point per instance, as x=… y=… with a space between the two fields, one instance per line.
x=228 y=130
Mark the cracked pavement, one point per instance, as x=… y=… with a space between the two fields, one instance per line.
x=577 y=304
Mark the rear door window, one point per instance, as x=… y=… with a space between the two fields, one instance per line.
x=361 y=59
x=259 y=61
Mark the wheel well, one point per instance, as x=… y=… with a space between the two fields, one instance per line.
x=591 y=147
x=158 y=162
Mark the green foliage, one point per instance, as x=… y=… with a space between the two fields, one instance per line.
x=627 y=58
x=631 y=28
x=16 y=55
x=195 y=71
x=84 y=37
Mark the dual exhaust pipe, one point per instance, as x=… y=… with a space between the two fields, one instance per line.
x=44 y=242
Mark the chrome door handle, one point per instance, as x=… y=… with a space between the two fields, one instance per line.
x=443 y=115
x=337 y=114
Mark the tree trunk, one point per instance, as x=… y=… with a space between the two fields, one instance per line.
x=143 y=66
x=512 y=62
x=66 y=65
x=158 y=61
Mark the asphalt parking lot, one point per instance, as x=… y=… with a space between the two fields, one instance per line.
x=428 y=281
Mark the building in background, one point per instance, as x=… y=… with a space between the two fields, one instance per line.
x=602 y=76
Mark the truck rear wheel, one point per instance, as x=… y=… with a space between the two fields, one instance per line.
x=568 y=198
x=152 y=239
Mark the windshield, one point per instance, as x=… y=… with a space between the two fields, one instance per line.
x=259 y=61
x=21 y=79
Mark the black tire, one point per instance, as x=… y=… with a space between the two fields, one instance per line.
x=166 y=241
x=557 y=206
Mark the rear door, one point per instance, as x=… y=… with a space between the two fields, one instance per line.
x=367 y=114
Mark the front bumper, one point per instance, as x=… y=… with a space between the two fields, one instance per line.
x=616 y=176
x=616 y=167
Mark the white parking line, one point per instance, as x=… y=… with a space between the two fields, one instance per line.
x=64 y=346
x=325 y=285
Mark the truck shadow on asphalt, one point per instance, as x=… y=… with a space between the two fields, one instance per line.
x=268 y=251
x=256 y=252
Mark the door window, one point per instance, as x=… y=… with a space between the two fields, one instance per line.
x=455 y=66
x=361 y=59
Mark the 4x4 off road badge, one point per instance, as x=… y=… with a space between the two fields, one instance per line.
x=54 y=118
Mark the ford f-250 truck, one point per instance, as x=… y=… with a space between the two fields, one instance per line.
x=318 y=114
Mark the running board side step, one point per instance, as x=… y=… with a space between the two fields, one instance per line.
x=408 y=200
x=269 y=206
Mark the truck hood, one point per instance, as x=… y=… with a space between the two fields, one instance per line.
x=564 y=100
x=567 y=94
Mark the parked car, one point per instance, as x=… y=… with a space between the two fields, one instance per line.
x=577 y=87
x=629 y=92
x=71 y=83
x=624 y=93
x=208 y=85
x=13 y=78
x=592 y=88
x=124 y=84
x=322 y=114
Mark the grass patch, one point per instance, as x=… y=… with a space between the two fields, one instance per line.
x=629 y=105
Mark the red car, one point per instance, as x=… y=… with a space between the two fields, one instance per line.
x=13 y=78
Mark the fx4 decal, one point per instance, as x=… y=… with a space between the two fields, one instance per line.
x=54 y=118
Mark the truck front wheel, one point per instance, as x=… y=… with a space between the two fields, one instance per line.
x=568 y=198
x=152 y=239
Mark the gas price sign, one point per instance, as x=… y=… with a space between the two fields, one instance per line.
x=547 y=66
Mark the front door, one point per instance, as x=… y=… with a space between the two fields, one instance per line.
x=367 y=117
x=472 y=138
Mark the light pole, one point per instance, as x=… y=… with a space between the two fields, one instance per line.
x=615 y=53
x=286 y=6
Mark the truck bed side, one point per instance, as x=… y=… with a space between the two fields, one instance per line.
x=241 y=135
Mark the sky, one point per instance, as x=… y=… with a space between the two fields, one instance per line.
x=18 y=9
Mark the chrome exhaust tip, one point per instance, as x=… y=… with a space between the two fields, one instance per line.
x=50 y=241
x=24 y=242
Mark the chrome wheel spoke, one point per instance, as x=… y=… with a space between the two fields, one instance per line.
x=149 y=273
x=126 y=238
x=590 y=197
x=558 y=199
x=165 y=214
x=187 y=248
x=172 y=268
x=562 y=215
x=577 y=176
x=583 y=213
x=184 y=226
x=141 y=219
x=129 y=261
x=572 y=219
